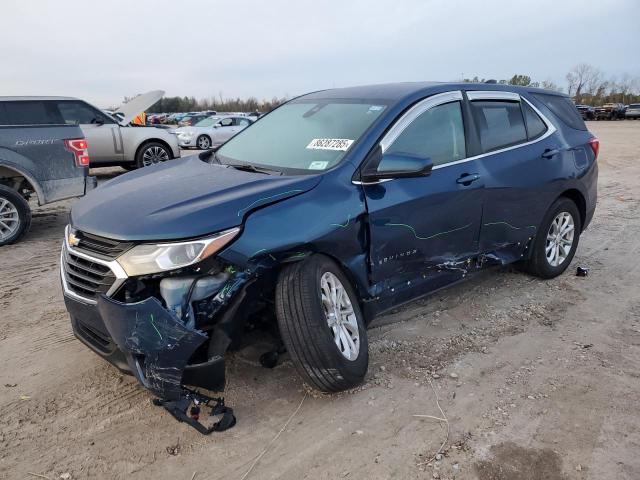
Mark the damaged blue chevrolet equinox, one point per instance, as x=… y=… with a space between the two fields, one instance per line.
x=333 y=208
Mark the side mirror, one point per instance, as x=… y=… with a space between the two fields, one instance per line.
x=398 y=165
x=217 y=125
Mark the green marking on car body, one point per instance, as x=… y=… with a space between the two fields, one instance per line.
x=430 y=236
x=256 y=202
x=154 y=326
x=345 y=225
x=509 y=225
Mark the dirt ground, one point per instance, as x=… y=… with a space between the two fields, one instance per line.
x=537 y=379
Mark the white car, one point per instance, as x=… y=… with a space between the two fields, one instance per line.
x=211 y=132
x=113 y=140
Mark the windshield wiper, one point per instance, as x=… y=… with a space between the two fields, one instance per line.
x=247 y=167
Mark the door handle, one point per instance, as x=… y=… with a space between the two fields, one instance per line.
x=550 y=152
x=467 y=178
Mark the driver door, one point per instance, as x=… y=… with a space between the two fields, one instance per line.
x=101 y=132
x=224 y=130
x=423 y=229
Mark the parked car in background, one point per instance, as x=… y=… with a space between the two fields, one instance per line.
x=610 y=111
x=112 y=139
x=633 y=112
x=39 y=155
x=211 y=131
x=191 y=119
x=333 y=208
x=587 y=112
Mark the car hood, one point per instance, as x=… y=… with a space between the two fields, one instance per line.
x=180 y=199
x=137 y=105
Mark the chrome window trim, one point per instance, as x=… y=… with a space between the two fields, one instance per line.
x=403 y=122
x=113 y=265
x=492 y=95
x=414 y=112
x=551 y=129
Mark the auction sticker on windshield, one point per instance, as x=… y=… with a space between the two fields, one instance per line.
x=341 y=144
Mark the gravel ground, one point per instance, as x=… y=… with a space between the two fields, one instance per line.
x=537 y=379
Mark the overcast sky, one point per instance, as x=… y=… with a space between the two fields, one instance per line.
x=104 y=50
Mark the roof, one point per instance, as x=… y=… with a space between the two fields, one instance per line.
x=26 y=98
x=393 y=92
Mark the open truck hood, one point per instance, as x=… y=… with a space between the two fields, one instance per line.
x=137 y=105
x=180 y=199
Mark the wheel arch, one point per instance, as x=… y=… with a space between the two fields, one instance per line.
x=578 y=198
x=147 y=141
x=7 y=171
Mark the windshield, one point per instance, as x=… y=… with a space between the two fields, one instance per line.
x=302 y=135
x=207 y=122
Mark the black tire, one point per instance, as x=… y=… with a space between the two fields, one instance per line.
x=537 y=264
x=204 y=139
x=306 y=333
x=22 y=209
x=152 y=147
x=129 y=166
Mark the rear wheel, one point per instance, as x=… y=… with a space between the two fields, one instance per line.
x=556 y=241
x=321 y=324
x=15 y=216
x=152 y=153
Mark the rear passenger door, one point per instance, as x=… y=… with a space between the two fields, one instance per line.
x=102 y=133
x=517 y=150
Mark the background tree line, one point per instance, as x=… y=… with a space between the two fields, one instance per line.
x=220 y=104
x=586 y=84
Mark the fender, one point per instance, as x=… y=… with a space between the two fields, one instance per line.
x=21 y=172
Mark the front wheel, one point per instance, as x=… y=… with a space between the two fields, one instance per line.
x=203 y=142
x=152 y=153
x=15 y=216
x=556 y=241
x=321 y=324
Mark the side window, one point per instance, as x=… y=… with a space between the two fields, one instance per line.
x=535 y=126
x=226 y=122
x=563 y=108
x=242 y=122
x=500 y=123
x=32 y=112
x=79 y=113
x=437 y=133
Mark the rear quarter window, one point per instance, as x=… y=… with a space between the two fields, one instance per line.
x=32 y=112
x=563 y=108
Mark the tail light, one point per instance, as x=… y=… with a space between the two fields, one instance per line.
x=594 y=143
x=80 y=151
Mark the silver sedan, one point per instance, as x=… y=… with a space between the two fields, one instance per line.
x=211 y=131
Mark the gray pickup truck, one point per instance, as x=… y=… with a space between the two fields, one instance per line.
x=39 y=155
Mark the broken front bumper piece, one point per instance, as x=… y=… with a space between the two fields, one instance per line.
x=157 y=347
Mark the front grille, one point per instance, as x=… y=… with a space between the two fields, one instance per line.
x=101 y=247
x=99 y=340
x=86 y=278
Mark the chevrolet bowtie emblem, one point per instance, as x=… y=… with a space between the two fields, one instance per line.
x=73 y=240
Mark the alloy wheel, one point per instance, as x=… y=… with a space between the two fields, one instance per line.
x=153 y=155
x=560 y=239
x=204 y=143
x=9 y=219
x=340 y=315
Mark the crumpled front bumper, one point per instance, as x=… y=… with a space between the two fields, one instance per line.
x=148 y=341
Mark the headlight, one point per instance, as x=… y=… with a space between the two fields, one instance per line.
x=185 y=135
x=152 y=258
